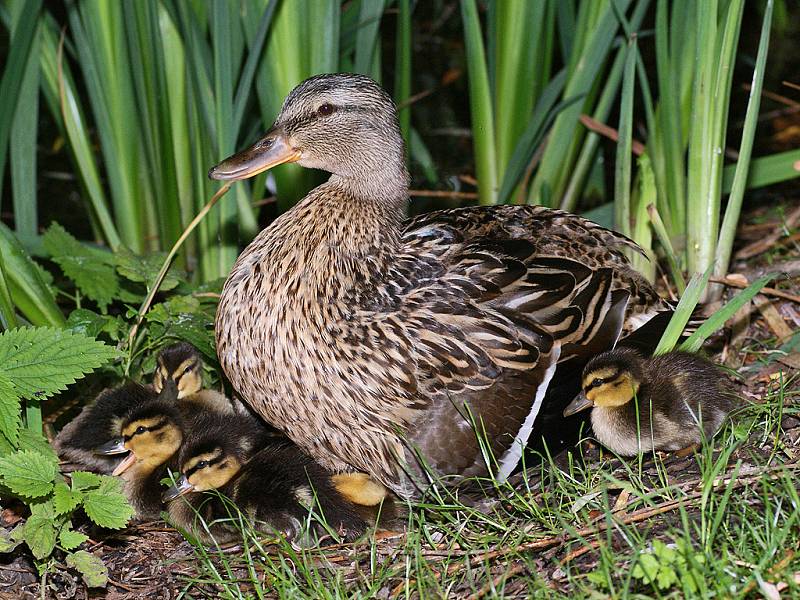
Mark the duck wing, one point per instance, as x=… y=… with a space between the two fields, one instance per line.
x=489 y=307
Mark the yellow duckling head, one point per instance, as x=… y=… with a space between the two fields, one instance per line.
x=609 y=380
x=180 y=363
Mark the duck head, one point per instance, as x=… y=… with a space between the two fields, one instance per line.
x=181 y=364
x=609 y=380
x=342 y=123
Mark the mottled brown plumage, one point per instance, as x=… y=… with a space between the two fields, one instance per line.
x=364 y=337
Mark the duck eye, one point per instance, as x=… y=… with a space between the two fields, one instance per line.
x=202 y=464
x=326 y=109
x=140 y=429
x=596 y=382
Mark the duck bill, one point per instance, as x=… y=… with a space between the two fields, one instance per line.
x=579 y=403
x=270 y=151
x=181 y=487
x=126 y=464
x=115 y=446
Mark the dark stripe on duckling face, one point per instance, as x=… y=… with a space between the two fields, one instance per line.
x=610 y=387
x=140 y=428
x=210 y=470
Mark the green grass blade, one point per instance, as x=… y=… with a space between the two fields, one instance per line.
x=367 y=37
x=402 y=66
x=8 y=314
x=734 y=207
x=666 y=244
x=684 y=310
x=23 y=157
x=718 y=319
x=14 y=73
x=765 y=170
x=29 y=293
x=480 y=100
x=622 y=169
x=325 y=15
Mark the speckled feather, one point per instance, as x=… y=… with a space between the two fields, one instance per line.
x=347 y=328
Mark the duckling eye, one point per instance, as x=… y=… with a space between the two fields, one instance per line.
x=202 y=464
x=326 y=109
x=140 y=429
x=596 y=382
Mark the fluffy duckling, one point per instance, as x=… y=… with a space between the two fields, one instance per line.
x=99 y=423
x=151 y=435
x=275 y=488
x=669 y=402
x=182 y=364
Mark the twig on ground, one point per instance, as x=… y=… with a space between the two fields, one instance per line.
x=767 y=291
x=762 y=245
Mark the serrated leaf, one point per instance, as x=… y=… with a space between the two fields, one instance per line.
x=36 y=442
x=28 y=473
x=7 y=544
x=64 y=499
x=71 y=539
x=10 y=420
x=40 y=535
x=144 y=269
x=40 y=361
x=93 y=270
x=83 y=480
x=106 y=505
x=91 y=324
x=91 y=568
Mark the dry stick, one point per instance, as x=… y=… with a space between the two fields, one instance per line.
x=441 y=194
x=497 y=581
x=168 y=260
x=762 y=245
x=767 y=291
x=637 y=147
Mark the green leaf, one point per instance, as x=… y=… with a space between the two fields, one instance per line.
x=91 y=568
x=83 y=480
x=92 y=270
x=36 y=442
x=28 y=473
x=144 y=269
x=64 y=499
x=71 y=539
x=40 y=535
x=41 y=361
x=91 y=324
x=683 y=312
x=7 y=544
x=10 y=420
x=717 y=320
x=106 y=505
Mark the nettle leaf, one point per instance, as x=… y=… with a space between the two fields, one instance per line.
x=71 y=539
x=83 y=480
x=91 y=568
x=91 y=324
x=106 y=505
x=64 y=499
x=92 y=270
x=7 y=543
x=28 y=473
x=10 y=420
x=41 y=361
x=144 y=269
x=36 y=442
x=40 y=535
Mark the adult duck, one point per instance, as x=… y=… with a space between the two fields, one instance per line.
x=377 y=344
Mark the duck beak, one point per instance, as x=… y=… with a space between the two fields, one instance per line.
x=579 y=403
x=115 y=446
x=270 y=151
x=181 y=487
x=126 y=464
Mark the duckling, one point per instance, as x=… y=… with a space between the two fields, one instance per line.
x=183 y=364
x=151 y=435
x=680 y=399
x=99 y=423
x=275 y=488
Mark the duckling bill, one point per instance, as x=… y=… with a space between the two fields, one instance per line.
x=670 y=402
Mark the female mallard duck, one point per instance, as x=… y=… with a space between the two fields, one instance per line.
x=370 y=341
x=182 y=364
x=275 y=488
x=100 y=423
x=670 y=402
